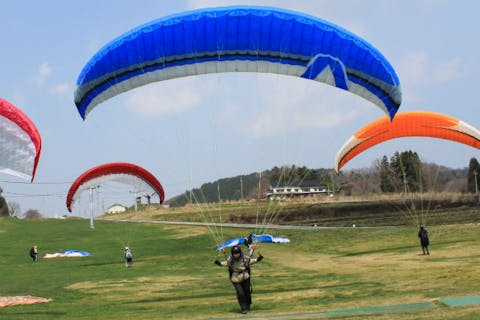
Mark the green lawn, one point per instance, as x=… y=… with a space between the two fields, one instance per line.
x=173 y=276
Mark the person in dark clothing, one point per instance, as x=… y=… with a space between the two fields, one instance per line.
x=424 y=241
x=34 y=253
x=239 y=268
x=127 y=254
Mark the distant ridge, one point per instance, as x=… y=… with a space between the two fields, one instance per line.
x=357 y=181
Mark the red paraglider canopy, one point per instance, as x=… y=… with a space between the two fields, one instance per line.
x=114 y=169
x=20 y=142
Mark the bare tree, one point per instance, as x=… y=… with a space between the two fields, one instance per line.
x=14 y=209
x=32 y=214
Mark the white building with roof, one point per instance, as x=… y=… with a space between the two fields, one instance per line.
x=116 y=208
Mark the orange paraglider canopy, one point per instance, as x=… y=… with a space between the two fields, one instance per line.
x=407 y=124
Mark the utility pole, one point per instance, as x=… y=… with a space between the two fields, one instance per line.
x=136 y=202
x=241 y=187
x=135 y=192
x=148 y=198
x=404 y=182
x=91 y=205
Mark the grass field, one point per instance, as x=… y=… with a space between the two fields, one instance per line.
x=173 y=276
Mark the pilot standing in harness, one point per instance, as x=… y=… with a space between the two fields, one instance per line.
x=424 y=241
x=34 y=253
x=239 y=268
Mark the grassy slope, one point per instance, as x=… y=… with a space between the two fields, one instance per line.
x=391 y=210
x=173 y=275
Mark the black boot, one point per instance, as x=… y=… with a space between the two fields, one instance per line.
x=244 y=309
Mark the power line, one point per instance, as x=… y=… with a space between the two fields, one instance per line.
x=33 y=183
x=14 y=194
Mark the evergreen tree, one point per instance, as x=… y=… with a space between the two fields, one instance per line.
x=406 y=172
x=473 y=176
x=396 y=172
x=4 y=212
x=412 y=170
x=386 y=184
x=275 y=175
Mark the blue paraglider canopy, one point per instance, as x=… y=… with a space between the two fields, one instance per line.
x=239 y=39
x=255 y=238
x=68 y=254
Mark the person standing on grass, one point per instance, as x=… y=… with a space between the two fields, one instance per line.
x=34 y=253
x=424 y=241
x=239 y=269
x=127 y=254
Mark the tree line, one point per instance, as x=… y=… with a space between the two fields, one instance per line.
x=12 y=209
x=403 y=172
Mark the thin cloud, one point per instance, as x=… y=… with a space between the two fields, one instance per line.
x=43 y=72
x=452 y=69
x=286 y=116
x=44 y=69
x=420 y=69
x=60 y=89
x=271 y=104
x=163 y=99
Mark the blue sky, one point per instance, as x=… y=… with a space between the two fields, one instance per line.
x=195 y=130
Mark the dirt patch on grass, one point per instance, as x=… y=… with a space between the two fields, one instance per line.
x=173 y=291
x=136 y=285
x=288 y=295
x=144 y=289
x=187 y=232
x=294 y=260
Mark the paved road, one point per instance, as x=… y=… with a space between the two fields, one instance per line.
x=237 y=225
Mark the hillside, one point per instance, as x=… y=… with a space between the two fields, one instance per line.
x=253 y=185
x=337 y=211
x=434 y=178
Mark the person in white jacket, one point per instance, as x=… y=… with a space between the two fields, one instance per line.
x=127 y=254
